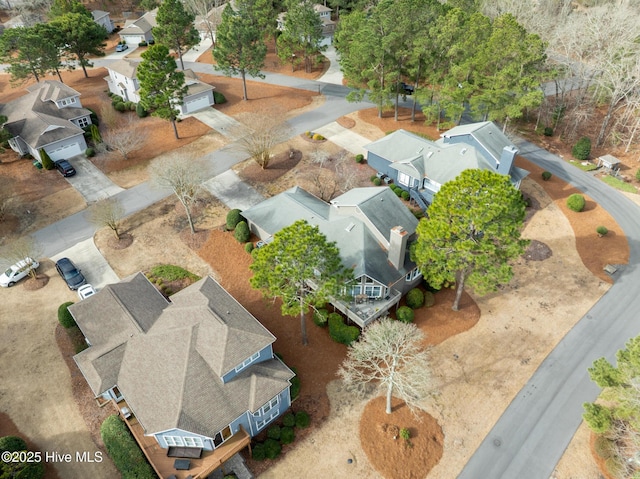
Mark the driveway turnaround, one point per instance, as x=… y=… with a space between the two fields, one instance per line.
x=232 y=191
x=530 y=437
x=347 y=139
x=90 y=182
x=90 y=261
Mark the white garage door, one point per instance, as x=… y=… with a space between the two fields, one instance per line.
x=65 y=152
x=197 y=104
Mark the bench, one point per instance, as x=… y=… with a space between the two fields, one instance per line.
x=182 y=464
x=181 y=451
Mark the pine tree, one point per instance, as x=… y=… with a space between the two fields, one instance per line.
x=175 y=28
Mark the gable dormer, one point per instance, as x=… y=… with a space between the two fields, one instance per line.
x=51 y=128
x=65 y=102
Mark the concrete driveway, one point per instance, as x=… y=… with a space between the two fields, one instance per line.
x=90 y=261
x=232 y=191
x=90 y=182
x=223 y=124
x=345 y=138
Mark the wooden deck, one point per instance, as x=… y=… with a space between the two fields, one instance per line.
x=200 y=468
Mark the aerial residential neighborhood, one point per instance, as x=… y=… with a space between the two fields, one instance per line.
x=295 y=239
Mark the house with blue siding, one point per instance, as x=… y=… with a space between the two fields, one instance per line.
x=372 y=229
x=193 y=371
x=422 y=166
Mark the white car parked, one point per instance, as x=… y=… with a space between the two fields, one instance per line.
x=85 y=291
x=17 y=271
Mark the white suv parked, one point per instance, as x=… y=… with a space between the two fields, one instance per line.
x=18 y=271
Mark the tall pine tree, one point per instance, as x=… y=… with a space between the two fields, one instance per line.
x=175 y=28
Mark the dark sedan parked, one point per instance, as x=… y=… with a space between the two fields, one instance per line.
x=65 y=168
x=71 y=275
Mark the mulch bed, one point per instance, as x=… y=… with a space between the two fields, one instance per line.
x=537 y=251
x=278 y=166
x=34 y=284
x=123 y=242
x=346 y=122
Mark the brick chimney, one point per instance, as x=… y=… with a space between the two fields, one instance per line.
x=397 y=246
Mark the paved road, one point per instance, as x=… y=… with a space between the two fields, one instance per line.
x=529 y=439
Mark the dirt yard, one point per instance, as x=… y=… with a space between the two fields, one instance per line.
x=481 y=356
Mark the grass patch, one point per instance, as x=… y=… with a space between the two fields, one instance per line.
x=588 y=167
x=619 y=184
x=169 y=272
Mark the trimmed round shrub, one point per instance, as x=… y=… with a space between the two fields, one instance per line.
x=248 y=247
x=615 y=466
x=320 y=317
x=582 y=149
x=140 y=111
x=64 y=316
x=373 y=177
x=116 y=99
x=258 y=453
x=90 y=152
x=288 y=420
x=242 y=233
x=120 y=106
x=415 y=298
x=429 y=299
x=272 y=448
x=233 y=218
x=405 y=195
x=548 y=131
x=219 y=98
x=318 y=137
x=287 y=435
x=546 y=175
x=359 y=158
x=302 y=420
x=127 y=105
x=377 y=181
x=12 y=444
x=405 y=314
x=340 y=332
x=274 y=432
x=142 y=44
x=398 y=191
x=576 y=202
x=602 y=230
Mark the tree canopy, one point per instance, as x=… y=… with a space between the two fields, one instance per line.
x=616 y=414
x=392 y=354
x=300 y=267
x=175 y=28
x=80 y=37
x=301 y=37
x=471 y=233
x=62 y=7
x=240 y=47
x=162 y=86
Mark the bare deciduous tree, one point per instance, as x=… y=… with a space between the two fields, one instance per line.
x=205 y=14
x=260 y=133
x=328 y=181
x=183 y=176
x=125 y=140
x=109 y=116
x=107 y=212
x=391 y=354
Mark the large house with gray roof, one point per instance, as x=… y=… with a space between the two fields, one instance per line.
x=421 y=166
x=194 y=371
x=49 y=117
x=372 y=229
x=122 y=81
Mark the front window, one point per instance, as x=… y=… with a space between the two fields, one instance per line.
x=173 y=440
x=193 y=442
x=82 y=122
x=404 y=179
x=413 y=274
x=270 y=405
x=247 y=361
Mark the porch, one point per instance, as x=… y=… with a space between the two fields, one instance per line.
x=363 y=310
x=164 y=466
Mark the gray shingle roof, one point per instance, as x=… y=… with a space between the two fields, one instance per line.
x=169 y=369
x=359 y=221
x=142 y=25
x=125 y=67
x=486 y=133
x=420 y=158
x=36 y=119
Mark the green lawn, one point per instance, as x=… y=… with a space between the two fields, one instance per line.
x=619 y=184
x=588 y=167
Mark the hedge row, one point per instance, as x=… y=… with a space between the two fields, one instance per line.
x=278 y=435
x=124 y=450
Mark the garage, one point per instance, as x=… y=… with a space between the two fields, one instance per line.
x=65 y=152
x=197 y=103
